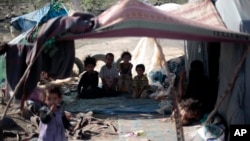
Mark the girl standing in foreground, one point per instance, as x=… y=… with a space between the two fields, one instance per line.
x=53 y=121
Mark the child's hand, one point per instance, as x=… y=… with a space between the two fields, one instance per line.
x=67 y=115
x=53 y=108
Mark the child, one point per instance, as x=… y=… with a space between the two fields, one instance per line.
x=109 y=76
x=125 y=79
x=140 y=83
x=88 y=85
x=53 y=121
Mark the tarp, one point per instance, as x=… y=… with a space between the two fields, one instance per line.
x=134 y=18
x=201 y=11
x=114 y=105
x=146 y=49
x=235 y=14
x=235 y=107
x=27 y=21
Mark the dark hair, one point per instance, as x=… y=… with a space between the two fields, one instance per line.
x=89 y=60
x=53 y=89
x=126 y=53
x=196 y=71
x=140 y=66
x=197 y=65
x=109 y=54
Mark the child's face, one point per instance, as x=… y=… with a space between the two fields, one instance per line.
x=109 y=60
x=52 y=99
x=90 y=67
x=126 y=58
x=139 y=71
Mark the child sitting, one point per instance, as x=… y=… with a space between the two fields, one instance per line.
x=53 y=121
x=109 y=76
x=140 y=83
x=125 y=79
x=88 y=84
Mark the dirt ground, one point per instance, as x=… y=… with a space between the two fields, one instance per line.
x=84 y=47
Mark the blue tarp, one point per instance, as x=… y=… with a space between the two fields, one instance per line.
x=25 y=22
x=114 y=105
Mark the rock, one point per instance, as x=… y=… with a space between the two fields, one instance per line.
x=7 y=123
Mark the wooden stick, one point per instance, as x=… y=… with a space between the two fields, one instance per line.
x=21 y=81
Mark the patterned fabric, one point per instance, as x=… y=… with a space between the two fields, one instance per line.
x=140 y=82
x=202 y=12
x=120 y=19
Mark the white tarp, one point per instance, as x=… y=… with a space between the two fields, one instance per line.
x=235 y=14
x=235 y=107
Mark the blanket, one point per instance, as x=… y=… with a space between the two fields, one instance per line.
x=113 y=105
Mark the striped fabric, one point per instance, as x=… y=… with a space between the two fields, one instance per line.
x=135 y=18
x=202 y=11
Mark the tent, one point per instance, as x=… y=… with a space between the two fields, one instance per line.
x=235 y=107
x=134 y=18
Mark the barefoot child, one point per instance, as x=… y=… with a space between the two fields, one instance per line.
x=53 y=121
